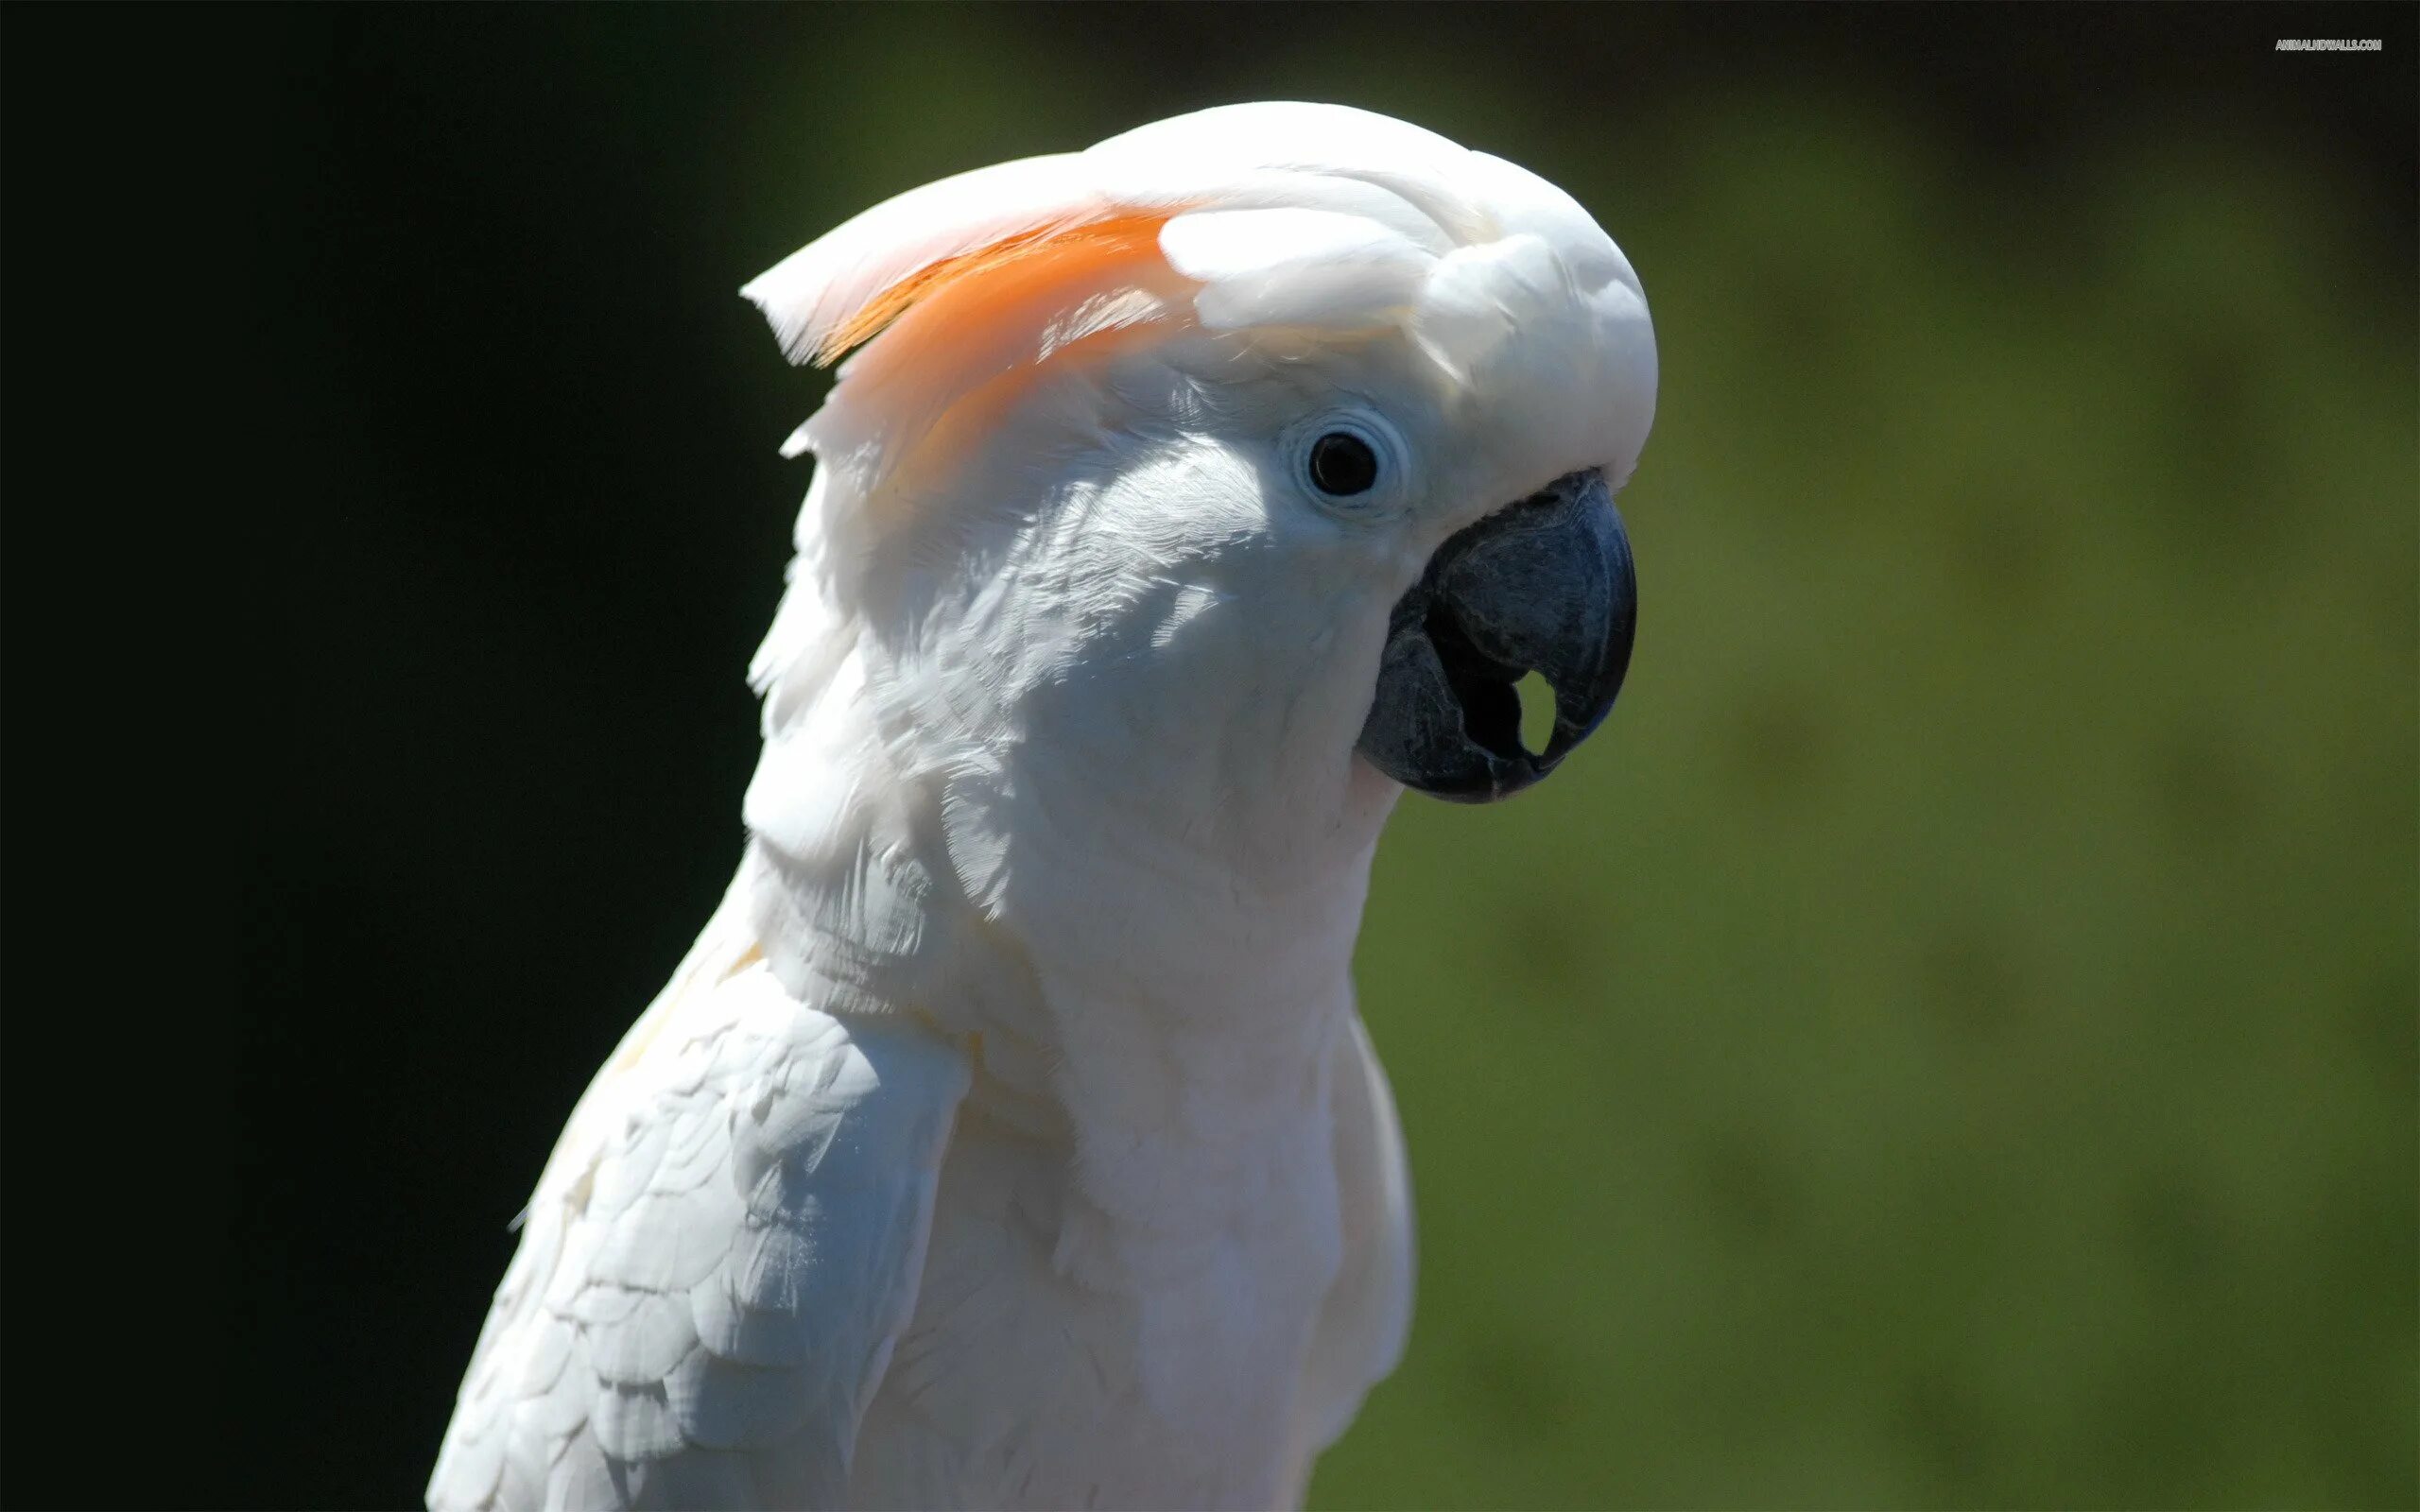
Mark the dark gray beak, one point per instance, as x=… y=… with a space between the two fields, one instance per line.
x=1541 y=586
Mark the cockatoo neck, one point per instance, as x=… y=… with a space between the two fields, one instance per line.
x=1060 y=757
x=1141 y=914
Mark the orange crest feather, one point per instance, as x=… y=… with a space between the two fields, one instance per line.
x=967 y=282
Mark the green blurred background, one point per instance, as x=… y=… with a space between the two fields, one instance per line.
x=1949 y=1042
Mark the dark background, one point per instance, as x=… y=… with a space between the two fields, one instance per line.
x=1950 y=1043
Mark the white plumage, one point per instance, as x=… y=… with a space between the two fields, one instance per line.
x=1010 y=1137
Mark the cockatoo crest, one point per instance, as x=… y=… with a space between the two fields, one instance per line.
x=1309 y=220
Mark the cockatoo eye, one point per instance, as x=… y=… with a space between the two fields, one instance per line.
x=1343 y=464
x=1353 y=465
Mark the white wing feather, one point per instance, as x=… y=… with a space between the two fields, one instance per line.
x=717 y=1263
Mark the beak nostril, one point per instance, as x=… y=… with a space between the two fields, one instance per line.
x=1537 y=713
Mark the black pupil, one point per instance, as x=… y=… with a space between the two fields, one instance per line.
x=1343 y=463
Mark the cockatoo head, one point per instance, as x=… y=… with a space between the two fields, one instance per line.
x=1231 y=471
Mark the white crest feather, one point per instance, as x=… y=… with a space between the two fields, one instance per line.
x=810 y=294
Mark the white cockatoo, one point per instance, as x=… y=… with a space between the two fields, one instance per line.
x=1010 y=1137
